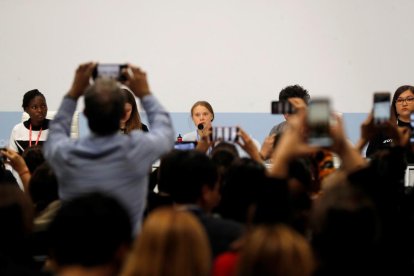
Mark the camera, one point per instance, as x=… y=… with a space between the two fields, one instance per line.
x=226 y=134
x=112 y=71
x=318 y=121
x=281 y=107
x=381 y=107
x=185 y=145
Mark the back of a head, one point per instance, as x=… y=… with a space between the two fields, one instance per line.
x=88 y=231
x=172 y=242
x=223 y=155
x=244 y=177
x=294 y=91
x=33 y=156
x=16 y=216
x=104 y=106
x=191 y=172
x=43 y=187
x=275 y=251
x=345 y=230
x=167 y=172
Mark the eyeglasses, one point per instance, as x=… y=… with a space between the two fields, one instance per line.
x=407 y=100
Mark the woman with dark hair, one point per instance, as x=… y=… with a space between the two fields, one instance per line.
x=401 y=108
x=131 y=119
x=403 y=104
x=34 y=131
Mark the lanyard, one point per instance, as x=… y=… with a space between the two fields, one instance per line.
x=30 y=136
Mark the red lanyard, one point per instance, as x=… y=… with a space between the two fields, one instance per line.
x=30 y=136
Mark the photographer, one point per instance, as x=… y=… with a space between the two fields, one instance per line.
x=107 y=160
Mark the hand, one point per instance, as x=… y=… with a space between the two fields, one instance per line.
x=298 y=103
x=248 y=145
x=350 y=156
x=400 y=135
x=82 y=79
x=267 y=146
x=205 y=142
x=15 y=160
x=137 y=81
x=338 y=136
x=291 y=145
x=368 y=128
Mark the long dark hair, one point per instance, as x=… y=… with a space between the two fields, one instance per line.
x=134 y=121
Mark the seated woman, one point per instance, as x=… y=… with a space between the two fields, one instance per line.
x=34 y=131
x=202 y=115
x=131 y=119
x=401 y=108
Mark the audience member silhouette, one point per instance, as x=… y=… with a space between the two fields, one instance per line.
x=107 y=160
x=172 y=243
x=90 y=233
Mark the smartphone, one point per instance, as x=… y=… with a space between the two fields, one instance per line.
x=185 y=145
x=318 y=121
x=281 y=107
x=226 y=134
x=381 y=107
x=113 y=71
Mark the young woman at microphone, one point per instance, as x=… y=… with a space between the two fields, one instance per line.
x=202 y=115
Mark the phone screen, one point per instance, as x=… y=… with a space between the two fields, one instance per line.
x=113 y=71
x=227 y=134
x=185 y=145
x=319 y=114
x=281 y=107
x=381 y=107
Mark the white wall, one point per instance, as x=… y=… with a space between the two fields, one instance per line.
x=237 y=54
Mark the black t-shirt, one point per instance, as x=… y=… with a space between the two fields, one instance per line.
x=382 y=141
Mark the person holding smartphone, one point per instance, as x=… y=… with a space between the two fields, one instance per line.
x=402 y=105
x=202 y=114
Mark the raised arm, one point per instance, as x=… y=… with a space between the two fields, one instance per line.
x=161 y=137
x=59 y=131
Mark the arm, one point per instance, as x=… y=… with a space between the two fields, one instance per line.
x=205 y=142
x=291 y=145
x=368 y=131
x=59 y=132
x=19 y=165
x=350 y=156
x=248 y=145
x=267 y=147
x=161 y=137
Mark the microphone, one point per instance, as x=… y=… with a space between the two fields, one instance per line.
x=200 y=126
